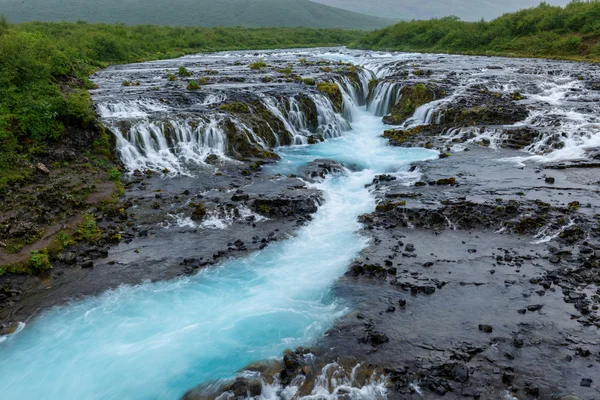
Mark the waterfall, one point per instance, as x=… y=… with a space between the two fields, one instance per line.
x=384 y=97
x=169 y=145
x=294 y=120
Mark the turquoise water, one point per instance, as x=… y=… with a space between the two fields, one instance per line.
x=157 y=340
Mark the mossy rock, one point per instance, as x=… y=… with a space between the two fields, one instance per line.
x=309 y=109
x=412 y=97
x=446 y=181
x=399 y=136
x=198 y=211
x=332 y=91
x=389 y=205
x=235 y=107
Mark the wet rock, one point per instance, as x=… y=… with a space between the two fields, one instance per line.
x=586 y=382
x=42 y=168
x=486 y=328
x=320 y=168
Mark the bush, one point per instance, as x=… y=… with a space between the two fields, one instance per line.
x=39 y=262
x=183 y=72
x=193 y=85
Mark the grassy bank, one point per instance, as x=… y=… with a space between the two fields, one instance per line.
x=570 y=32
x=44 y=69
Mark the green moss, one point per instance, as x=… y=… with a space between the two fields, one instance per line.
x=333 y=92
x=412 y=98
x=446 y=181
x=264 y=209
x=236 y=107
x=389 y=205
x=399 y=136
x=309 y=81
x=171 y=78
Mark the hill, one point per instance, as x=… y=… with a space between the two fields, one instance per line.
x=209 y=13
x=468 y=10
x=571 y=32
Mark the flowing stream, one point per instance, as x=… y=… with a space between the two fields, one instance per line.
x=157 y=340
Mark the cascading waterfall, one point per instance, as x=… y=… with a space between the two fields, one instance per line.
x=385 y=95
x=169 y=145
x=156 y=340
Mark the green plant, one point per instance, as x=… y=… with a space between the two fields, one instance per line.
x=39 y=262
x=114 y=175
x=193 y=85
x=260 y=64
x=183 y=72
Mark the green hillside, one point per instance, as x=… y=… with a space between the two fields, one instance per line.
x=467 y=10
x=247 y=13
x=570 y=32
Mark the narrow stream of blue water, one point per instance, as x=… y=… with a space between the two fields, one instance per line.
x=157 y=340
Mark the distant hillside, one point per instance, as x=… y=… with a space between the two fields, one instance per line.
x=468 y=10
x=247 y=13
x=571 y=32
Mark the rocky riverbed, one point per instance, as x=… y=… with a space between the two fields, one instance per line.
x=479 y=277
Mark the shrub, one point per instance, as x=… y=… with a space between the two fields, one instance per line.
x=183 y=72
x=39 y=262
x=193 y=85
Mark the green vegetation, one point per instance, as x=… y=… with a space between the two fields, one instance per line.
x=232 y=13
x=193 y=85
x=571 y=32
x=44 y=69
x=333 y=92
x=183 y=72
x=260 y=64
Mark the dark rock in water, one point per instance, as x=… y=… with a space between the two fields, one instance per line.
x=586 y=382
x=534 y=307
x=486 y=328
x=199 y=211
x=87 y=264
x=391 y=309
x=211 y=159
x=377 y=338
x=550 y=180
x=321 y=168
x=509 y=376
x=240 y=197
x=410 y=247
x=279 y=207
x=402 y=302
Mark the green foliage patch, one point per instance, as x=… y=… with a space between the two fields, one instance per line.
x=544 y=31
